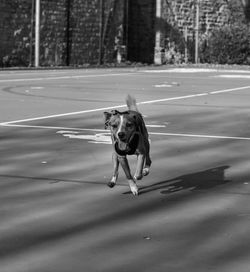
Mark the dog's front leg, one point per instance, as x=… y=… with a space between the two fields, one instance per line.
x=133 y=187
x=112 y=183
x=139 y=167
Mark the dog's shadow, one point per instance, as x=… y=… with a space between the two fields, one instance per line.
x=203 y=180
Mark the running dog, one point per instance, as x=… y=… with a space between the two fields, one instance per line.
x=129 y=137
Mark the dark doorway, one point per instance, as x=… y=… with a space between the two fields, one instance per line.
x=141 y=30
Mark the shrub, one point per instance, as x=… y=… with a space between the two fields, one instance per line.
x=227 y=45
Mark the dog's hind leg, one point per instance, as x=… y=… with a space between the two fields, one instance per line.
x=131 y=181
x=114 y=178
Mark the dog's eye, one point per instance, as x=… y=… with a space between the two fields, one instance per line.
x=114 y=126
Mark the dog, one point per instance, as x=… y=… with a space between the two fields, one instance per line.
x=129 y=137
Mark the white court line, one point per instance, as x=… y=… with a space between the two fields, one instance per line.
x=200 y=136
x=195 y=70
x=230 y=90
x=122 y=106
x=62 y=114
x=151 y=133
x=55 y=128
x=64 y=77
x=233 y=76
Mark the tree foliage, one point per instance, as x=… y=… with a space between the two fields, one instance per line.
x=229 y=44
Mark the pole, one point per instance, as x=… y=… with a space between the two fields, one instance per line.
x=101 y=19
x=68 y=34
x=126 y=27
x=186 y=41
x=197 y=31
x=31 y=32
x=157 y=55
x=37 y=34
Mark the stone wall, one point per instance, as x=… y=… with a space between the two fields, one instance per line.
x=181 y=14
x=53 y=35
x=84 y=32
x=15 y=27
x=71 y=32
x=179 y=20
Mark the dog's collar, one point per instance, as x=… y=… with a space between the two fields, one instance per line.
x=132 y=146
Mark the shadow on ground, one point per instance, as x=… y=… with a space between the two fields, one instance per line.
x=202 y=180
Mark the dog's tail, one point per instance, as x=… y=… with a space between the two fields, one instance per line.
x=131 y=103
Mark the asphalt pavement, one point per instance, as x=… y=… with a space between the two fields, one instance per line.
x=193 y=209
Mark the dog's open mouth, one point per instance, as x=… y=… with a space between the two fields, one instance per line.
x=124 y=148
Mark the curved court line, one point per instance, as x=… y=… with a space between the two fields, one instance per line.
x=64 y=77
x=122 y=106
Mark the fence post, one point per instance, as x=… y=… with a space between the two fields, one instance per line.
x=101 y=19
x=31 y=34
x=158 y=49
x=197 y=31
x=37 y=34
x=186 y=44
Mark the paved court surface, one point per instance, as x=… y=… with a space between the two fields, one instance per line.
x=193 y=211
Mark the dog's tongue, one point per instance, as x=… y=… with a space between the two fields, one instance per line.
x=122 y=146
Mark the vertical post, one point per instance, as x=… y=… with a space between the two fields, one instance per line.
x=37 y=34
x=31 y=32
x=186 y=41
x=157 y=55
x=246 y=7
x=126 y=27
x=197 y=31
x=68 y=34
x=101 y=19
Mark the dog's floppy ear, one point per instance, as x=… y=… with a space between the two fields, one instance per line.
x=107 y=116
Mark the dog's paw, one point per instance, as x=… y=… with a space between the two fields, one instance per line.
x=133 y=187
x=145 y=171
x=111 y=184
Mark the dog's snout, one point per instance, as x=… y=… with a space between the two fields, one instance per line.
x=121 y=135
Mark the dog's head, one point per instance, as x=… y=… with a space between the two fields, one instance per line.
x=123 y=126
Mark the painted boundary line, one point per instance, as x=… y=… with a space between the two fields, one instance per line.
x=103 y=131
x=201 y=136
x=61 y=115
x=15 y=123
x=123 y=105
